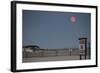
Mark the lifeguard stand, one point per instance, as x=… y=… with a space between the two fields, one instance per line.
x=83 y=47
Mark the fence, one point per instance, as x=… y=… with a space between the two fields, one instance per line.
x=51 y=52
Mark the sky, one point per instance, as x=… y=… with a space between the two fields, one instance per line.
x=52 y=30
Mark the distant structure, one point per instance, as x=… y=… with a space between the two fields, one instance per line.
x=30 y=48
x=83 y=47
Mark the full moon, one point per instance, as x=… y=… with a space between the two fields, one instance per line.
x=73 y=19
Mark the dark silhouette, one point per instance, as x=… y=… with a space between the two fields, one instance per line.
x=32 y=47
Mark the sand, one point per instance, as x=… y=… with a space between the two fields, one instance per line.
x=54 y=58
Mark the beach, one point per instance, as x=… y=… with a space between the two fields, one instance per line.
x=52 y=55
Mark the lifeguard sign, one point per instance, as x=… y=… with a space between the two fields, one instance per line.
x=83 y=47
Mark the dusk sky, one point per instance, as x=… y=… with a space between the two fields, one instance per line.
x=50 y=29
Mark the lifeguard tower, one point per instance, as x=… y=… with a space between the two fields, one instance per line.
x=83 y=47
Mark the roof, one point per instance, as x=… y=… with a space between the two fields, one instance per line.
x=82 y=38
x=31 y=46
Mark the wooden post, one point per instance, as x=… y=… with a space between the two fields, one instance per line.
x=56 y=52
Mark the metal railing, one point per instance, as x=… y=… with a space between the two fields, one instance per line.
x=51 y=52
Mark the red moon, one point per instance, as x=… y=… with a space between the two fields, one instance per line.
x=73 y=19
